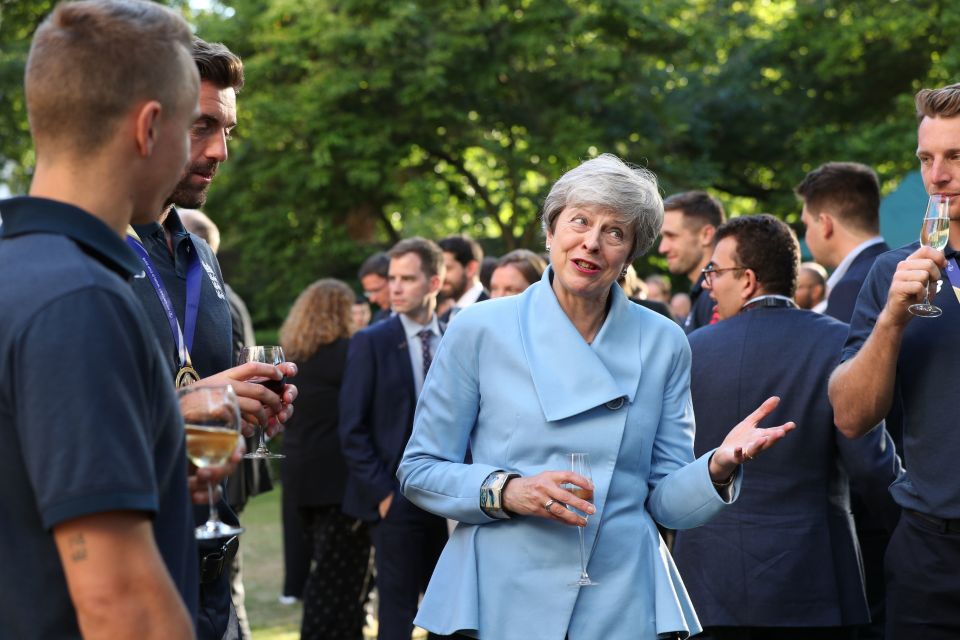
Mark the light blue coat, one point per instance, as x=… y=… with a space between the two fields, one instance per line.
x=514 y=379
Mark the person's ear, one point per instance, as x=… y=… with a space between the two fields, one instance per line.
x=751 y=286
x=436 y=281
x=146 y=126
x=472 y=268
x=707 y=233
x=826 y=226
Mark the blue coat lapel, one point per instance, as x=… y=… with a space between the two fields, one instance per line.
x=570 y=375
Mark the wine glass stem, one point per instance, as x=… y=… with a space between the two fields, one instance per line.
x=261 y=442
x=583 y=559
x=214 y=514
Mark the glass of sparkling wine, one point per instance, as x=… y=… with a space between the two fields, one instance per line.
x=211 y=416
x=271 y=355
x=580 y=464
x=934 y=233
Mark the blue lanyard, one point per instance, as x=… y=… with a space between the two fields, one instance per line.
x=953 y=273
x=182 y=338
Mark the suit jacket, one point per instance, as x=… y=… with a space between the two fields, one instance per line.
x=843 y=296
x=377 y=400
x=786 y=553
x=314 y=471
x=515 y=380
x=449 y=314
x=701 y=307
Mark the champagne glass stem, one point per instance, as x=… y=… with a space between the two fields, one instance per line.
x=583 y=561
x=214 y=514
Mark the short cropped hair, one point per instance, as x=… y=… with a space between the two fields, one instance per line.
x=320 y=315
x=218 y=65
x=91 y=61
x=200 y=225
x=769 y=248
x=463 y=248
x=530 y=265
x=850 y=189
x=817 y=270
x=377 y=264
x=431 y=256
x=938 y=103
x=609 y=183
x=699 y=208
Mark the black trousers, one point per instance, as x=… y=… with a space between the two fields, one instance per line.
x=923 y=581
x=334 y=593
x=407 y=544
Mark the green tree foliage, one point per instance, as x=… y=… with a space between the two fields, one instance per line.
x=364 y=121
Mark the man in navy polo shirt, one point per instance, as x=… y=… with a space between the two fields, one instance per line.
x=96 y=528
x=892 y=354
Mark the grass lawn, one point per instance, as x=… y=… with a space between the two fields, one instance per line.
x=262 y=546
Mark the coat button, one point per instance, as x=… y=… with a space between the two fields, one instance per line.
x=616 y=403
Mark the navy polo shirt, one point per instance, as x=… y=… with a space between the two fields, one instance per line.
x=88 y=419
x=927 y=384
x=212 y=350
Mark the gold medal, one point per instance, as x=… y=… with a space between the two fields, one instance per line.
x=186 y=376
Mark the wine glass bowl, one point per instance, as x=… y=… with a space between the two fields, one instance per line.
x=211 y=417
x=580 y=464
x=269 y=355
x=934 y=233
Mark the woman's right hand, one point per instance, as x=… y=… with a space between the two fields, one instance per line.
x=530 y=497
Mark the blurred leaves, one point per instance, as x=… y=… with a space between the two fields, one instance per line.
x=365 y=121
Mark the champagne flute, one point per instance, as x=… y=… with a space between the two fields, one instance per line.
x=580 y=464
x=934 y=233
x=271 y=355
x=211 y=417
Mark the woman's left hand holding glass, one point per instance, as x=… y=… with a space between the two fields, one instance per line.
x=542 y=496
x=746 y=441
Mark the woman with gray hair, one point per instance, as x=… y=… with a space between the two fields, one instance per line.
x=569 y=366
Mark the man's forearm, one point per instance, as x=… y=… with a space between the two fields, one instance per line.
x=861 y=389
x=118 y=582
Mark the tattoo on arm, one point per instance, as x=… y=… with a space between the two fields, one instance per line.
x=78 y=547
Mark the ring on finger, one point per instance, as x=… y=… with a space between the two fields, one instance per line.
x=549 y=503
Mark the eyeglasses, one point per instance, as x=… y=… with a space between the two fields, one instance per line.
x=711 y=270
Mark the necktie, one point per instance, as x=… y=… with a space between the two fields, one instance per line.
x=424 y=336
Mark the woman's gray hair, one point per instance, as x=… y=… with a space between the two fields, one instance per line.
x=608 y=182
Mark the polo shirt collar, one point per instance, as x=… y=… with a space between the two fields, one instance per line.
x=24 y=215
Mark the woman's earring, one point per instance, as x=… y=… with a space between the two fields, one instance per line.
x=623 y=274
x=548 y=247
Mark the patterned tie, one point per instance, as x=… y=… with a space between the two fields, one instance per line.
x=424 y=336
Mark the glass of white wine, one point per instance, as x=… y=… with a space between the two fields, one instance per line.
x=580 y=464
x=934 y=234
x=211 y=416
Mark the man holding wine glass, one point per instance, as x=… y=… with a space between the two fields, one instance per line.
x=183 y=293
x=901 y=345
x=95 y=532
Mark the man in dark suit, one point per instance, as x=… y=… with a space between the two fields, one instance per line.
x=783 y=561
x=690 y=220
x=462 y=257
x=841 y=213
x=386 y=365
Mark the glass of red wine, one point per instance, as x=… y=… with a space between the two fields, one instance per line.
x=270 y=355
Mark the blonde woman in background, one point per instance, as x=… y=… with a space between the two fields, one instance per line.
x=316 y=334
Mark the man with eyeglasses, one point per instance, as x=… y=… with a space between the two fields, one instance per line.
x=783 y=560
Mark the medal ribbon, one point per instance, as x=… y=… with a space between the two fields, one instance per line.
x=182 y=338
x=953 y=273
